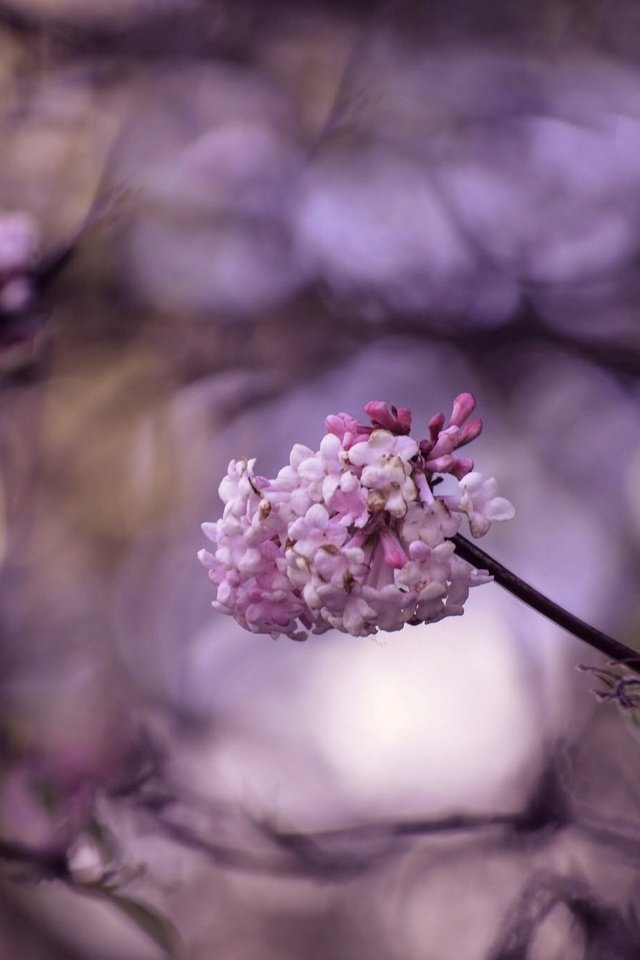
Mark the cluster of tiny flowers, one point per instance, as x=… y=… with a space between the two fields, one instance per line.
x=354 y=536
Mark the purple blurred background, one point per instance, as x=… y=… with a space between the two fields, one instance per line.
x=277 y=211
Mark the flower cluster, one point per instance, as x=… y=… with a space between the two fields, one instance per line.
x=353 y=536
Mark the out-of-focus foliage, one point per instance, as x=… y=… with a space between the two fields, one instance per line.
x=251 y=215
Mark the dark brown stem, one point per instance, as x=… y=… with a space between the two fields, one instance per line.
x=595 y=638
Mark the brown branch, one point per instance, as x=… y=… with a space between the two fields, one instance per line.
x=600 y=641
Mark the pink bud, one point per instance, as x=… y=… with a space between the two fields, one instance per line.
x=463 y=406
x=441 y=464
x=461 y=467
x=394 y=555
x=446 y=442
x=347 y=429
x=469 y=432
x=378 y=412
x=435 y=425
x=396 y=420
x=403 y=419
x=339 y=423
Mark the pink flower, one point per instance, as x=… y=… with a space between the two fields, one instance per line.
x=353 y=536
x=480 y=503
x=386 y=471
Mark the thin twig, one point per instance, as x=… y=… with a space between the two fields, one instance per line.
x=519 y=588
x=51 y=863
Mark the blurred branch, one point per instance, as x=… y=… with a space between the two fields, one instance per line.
x=25 y=23
x=55 y=261
x=345 y=98
x=341 y=853
x=605 y=930
x=157 y=32
x=523 y=331
x=333 y=854
x=48 y=863
x=152 y=922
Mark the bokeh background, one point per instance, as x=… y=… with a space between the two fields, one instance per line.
x=249 y=215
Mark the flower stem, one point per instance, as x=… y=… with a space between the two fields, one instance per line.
x=595 y=638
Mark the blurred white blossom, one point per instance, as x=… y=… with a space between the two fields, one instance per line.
x=19 y=239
